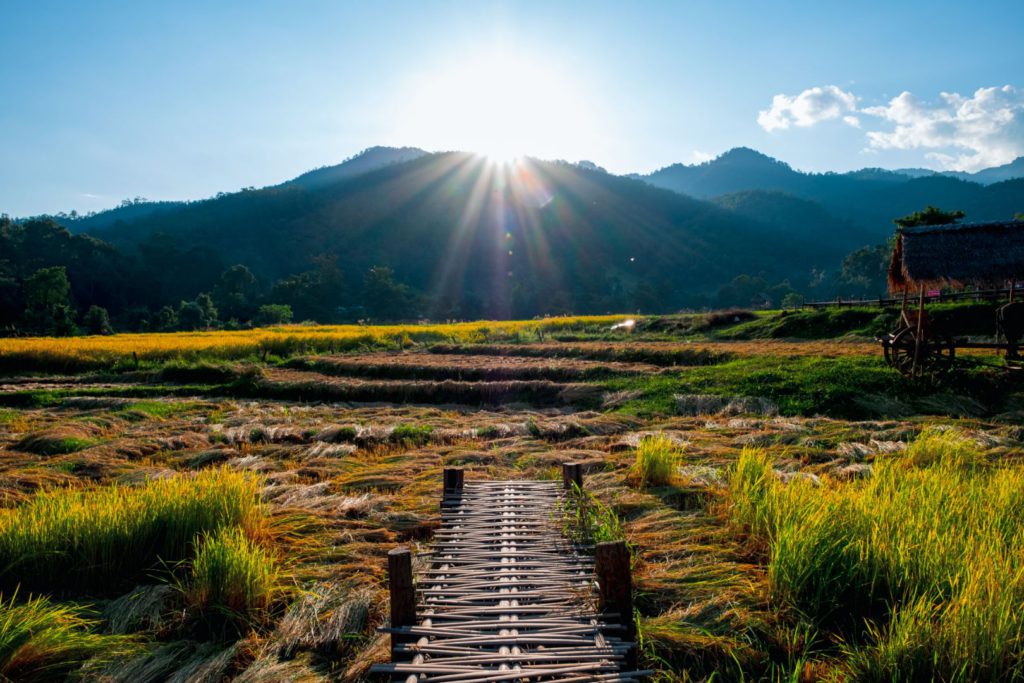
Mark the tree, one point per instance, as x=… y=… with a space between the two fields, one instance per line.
x=190 y=316
x=930 y=216
x=386 y=298
x=48 y=307
x=200 y=314
x=235 y=293
x=209 y=310
x=793 y=300
x=273 y=314
x=315 y=294
x=744 y=290
x=866 y=269
x=167 y=319
x=47 y=288
x=97 y=321
x=11 y=301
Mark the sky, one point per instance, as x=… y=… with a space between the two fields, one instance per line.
x=104 y=101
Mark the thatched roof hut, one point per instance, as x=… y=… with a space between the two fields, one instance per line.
x=957 y=255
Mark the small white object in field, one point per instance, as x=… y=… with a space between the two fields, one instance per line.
x=626 y=325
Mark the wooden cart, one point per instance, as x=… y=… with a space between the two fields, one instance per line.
x=952 y=256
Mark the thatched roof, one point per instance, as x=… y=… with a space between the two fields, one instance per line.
x=957 y=255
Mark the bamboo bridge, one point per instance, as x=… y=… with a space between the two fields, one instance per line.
x=505 y=596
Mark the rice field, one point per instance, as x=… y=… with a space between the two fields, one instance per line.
x=795 y=514
x=82 y=353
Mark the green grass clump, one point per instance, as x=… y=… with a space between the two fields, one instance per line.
x=412 y=435
x=940 y=444
x=234 y=579
x=157 y=410
x=59 y=441
x=586 y=520
x=76 y=540
x=42 y=641
x=657 y=461
x=919 y=567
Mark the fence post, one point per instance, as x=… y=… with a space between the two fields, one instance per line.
x=615 y=590
x=403 y=594
x=454 y=478
x=572 y=473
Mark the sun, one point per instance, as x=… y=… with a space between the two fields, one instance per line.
x=500 y=104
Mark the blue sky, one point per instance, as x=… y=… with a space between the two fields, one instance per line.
x=108 y=100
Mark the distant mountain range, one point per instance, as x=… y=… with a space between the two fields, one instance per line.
x=544 y=237
x=868 y=199
x=541 y=237
x=986 y=176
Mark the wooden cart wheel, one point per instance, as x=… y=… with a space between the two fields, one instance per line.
x=932 y=356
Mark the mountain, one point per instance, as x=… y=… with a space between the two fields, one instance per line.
x=368 y=160
x=986 y=176
x=480 y=239
x=804 y=220
x=868 y=199
x=127 y=211
x=996 y=174
x=734 y=171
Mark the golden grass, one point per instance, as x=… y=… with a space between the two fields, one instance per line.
x=99 y=351
x=234 y=579
x=929 y=558
x=657 y=461
x=80 y=540
x=43 y=641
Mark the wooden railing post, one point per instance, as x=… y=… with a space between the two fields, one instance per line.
x=403 y=593
x=454 y=478
x=615 y=590
x=572 y=474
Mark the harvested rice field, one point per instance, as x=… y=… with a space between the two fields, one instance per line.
x=795 y=510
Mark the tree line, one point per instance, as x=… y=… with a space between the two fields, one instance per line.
x=56 y=283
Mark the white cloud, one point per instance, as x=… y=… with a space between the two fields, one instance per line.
x=958 y=132
x=699 y=157
x=814 y=105
x=984 y=130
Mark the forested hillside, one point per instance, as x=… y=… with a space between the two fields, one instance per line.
x=867 y=199
x=401 y=234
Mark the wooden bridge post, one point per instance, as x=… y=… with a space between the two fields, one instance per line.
x=454 y=479
x=403 y=594
x=572 y=474
x=615 y=590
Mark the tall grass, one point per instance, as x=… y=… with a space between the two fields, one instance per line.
x=234 y=579
x=43 y=641
x=657 y=461
x=76 y=540
x=928 y=561
x=588 y=521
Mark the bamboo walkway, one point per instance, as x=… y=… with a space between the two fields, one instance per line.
x=506 y=596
